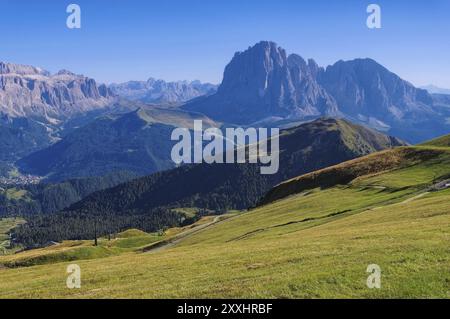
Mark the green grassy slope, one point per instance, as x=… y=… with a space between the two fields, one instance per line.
x=373 y=164
x=132 y=240
x=443 y=141
x=216 y=187
x=313 y=244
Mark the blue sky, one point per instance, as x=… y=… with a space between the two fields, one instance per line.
x=124 y=40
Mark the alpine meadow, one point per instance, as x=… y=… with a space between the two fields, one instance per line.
x=198 y=163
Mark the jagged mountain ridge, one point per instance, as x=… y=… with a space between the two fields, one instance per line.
x=263 y=83
x=37 y=108
x=162 y=92
x=27 y=91
x=366 y=88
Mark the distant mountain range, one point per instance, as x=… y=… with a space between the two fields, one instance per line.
x=264 y=84
x=38 y=108
x=36 y=105
x=432 y=89
x=27 y=91
x=64 y=125
x=162 y=92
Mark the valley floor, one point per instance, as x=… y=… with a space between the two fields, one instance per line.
x=312 y=245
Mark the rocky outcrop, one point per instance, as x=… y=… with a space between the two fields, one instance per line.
x=364 y=88
x=27 y=91
x=264 y=82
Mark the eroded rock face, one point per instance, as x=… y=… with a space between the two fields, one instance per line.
x=263 y=83
x=364 y=87
x=27 y=91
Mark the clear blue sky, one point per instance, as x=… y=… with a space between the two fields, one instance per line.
x=122 y=40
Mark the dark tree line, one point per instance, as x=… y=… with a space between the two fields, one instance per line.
x=42 y=229
x=47 y=198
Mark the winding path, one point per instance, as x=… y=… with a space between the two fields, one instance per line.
x=165 y=244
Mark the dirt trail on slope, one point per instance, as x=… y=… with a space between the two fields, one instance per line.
x=414 y=198
x=165 y=244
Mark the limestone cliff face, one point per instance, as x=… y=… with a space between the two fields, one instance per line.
x=27 y=91
x=362 y=87
x=264 y=82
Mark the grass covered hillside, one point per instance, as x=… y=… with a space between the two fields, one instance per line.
x=316 y=241
x=147 y=203
x=346 y=172
x=443 y=141
x=303 y=149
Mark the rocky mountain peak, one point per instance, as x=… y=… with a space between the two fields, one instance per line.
x=365 y=88
x=263 y=82
x=27 y=91
x=20 y=69
x=254 y=68
x=265 y=85
x=65 y=72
